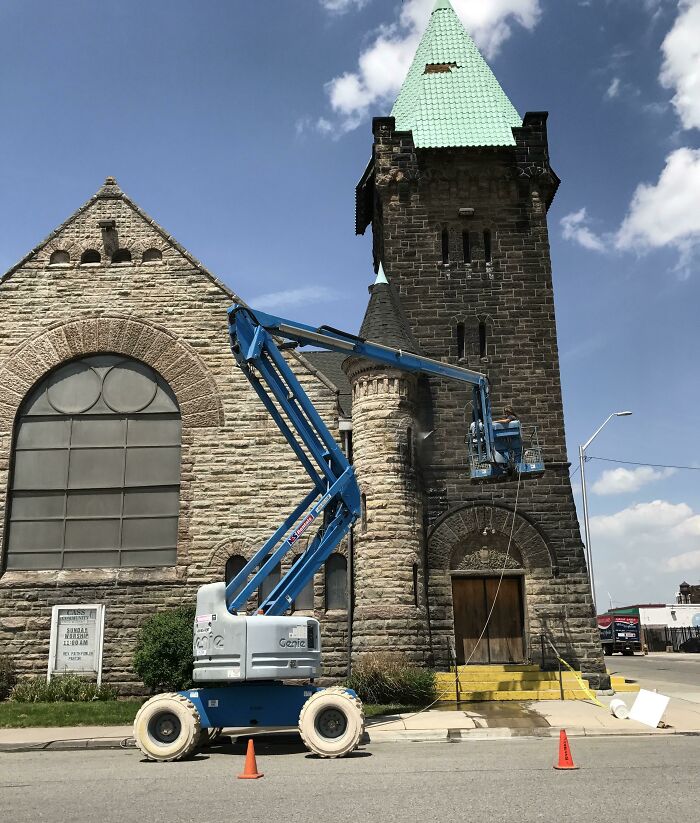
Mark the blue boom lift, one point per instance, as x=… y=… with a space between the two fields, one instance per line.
x=244 y=658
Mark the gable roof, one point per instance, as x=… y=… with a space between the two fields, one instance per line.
x=111 y=191
x=450 y=96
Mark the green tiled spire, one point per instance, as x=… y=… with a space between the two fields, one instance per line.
x=450 y=96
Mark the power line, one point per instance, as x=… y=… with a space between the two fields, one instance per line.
x=651 y=465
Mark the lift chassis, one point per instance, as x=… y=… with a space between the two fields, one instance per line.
x=243 y=662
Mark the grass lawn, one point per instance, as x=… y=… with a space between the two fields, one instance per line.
x=97 y=713
x=109 y=713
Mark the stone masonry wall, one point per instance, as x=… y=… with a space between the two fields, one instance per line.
x=418 y=196
x=238 y=475
x=390 y=609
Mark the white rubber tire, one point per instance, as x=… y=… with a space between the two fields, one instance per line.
x=186 y=739
x=335 y=700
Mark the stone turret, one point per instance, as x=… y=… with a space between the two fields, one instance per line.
x=390 y=608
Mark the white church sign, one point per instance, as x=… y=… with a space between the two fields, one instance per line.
x=76 y=640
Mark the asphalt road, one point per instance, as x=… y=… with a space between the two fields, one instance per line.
x=630 y=780
x=677 y=675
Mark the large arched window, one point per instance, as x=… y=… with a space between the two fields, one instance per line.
x=96 y=469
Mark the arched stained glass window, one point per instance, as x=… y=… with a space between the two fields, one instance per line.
x=305 y=599
x=234 y=565
x=96 y=469
x=336 y=582
x=269 y=583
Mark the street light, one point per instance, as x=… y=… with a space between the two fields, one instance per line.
x=582 y=462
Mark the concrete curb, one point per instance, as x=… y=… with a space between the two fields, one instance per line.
x=458 y=735
x=66 y=745
x=372 y=738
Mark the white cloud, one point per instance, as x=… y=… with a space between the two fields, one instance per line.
x=688 y=561
x=341 y=6
x=661 y=215
x=575 y=227
x=681 y=66
x=294 y=297
x=642 y=521
x=640 y=551
x=624 y=481
x=613 y=89
x=383 y=65
x=666 y=213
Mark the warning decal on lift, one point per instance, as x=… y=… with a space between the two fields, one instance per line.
x=301 y=528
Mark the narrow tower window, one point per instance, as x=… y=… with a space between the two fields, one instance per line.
x=482 y=339
x=445 y=246
x=487 y=245
x=415 y=585
x=466 y=247
x=461 y=349
x=409 y=446
x=363 y=512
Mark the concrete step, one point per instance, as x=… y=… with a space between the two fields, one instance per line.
x=508 y=686
x=483 y=675
x=619 y=684
x=500 y=667
x=520 y=694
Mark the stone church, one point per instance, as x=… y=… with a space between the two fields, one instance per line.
x=136 y=462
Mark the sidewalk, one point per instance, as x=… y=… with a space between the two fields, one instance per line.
x=473 y=721
x=481 y=721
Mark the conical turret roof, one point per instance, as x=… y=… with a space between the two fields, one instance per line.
x=385 y=321
x=450 y=96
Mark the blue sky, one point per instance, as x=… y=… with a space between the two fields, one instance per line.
x=243 y=127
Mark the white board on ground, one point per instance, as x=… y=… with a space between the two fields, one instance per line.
x=649 y=708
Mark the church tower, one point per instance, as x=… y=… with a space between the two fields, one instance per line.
x=456 y=193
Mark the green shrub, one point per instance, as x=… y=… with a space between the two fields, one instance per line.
x=63 y=688
x=8 y=677
x=163 y=656
x=390 y=678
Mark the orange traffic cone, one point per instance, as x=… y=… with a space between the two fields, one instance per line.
x=250 y=771
x=566 y=761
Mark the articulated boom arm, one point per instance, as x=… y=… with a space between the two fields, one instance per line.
x=495 y=448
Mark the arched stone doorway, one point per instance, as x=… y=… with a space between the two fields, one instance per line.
x=488 y=599
x=485 y=566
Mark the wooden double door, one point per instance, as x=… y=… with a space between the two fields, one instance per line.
x=473 y=599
